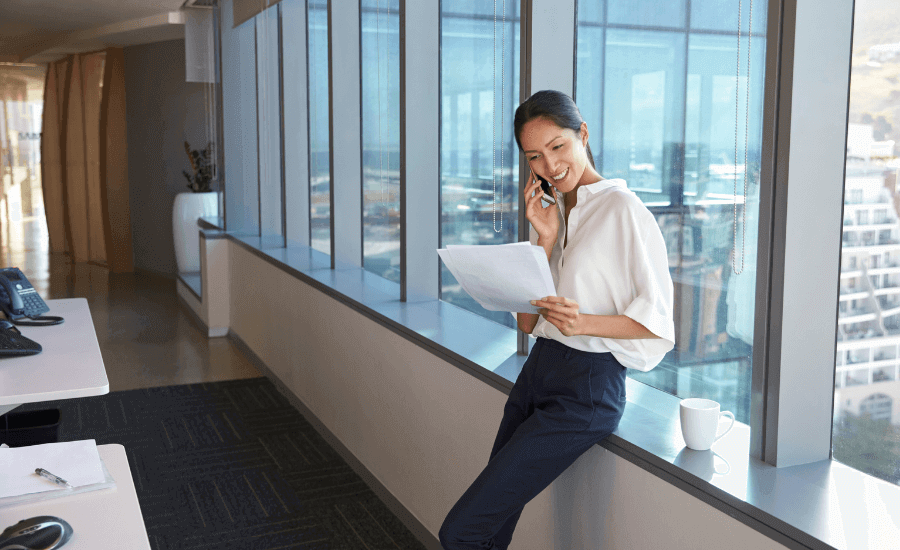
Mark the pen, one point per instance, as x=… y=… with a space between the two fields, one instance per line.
x=55 y=479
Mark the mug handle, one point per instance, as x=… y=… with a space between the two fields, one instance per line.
x=721 y=414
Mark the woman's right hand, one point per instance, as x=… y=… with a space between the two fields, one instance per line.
x=544 y=218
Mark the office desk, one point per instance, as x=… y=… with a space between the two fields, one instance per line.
x=106 y=518
x=70 y=365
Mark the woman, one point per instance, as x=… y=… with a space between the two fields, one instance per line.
x=614 y=311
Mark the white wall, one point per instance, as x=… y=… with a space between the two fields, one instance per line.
x=424 y=427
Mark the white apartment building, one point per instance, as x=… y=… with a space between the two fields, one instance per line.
x=868 y=342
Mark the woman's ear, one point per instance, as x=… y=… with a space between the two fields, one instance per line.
x=584 y=133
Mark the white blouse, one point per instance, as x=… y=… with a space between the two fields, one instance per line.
x=614 y=263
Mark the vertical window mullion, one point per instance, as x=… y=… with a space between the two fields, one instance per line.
x=806 y=230
x=420 y=178
x=345 y=133
x=295 y=89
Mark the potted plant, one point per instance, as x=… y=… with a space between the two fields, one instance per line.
x=200 y=202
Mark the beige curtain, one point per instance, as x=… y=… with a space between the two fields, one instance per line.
x=51 y=159
x=84 y=160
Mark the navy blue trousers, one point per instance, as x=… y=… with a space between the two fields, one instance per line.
x=563 y=402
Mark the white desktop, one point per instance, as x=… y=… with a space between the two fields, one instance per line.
x=71 y=366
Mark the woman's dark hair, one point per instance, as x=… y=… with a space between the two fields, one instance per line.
x=556 y=107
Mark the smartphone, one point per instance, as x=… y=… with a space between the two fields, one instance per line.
x=548 y=196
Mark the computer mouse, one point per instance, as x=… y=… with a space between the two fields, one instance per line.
x=37 y=533
x=6 y=324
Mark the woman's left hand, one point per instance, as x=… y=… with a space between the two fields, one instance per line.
x=561 y=312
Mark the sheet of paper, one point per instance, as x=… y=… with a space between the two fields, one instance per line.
x=78 y=462
x=504 y=277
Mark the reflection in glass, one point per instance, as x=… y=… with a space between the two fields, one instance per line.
x=381 y=136
x=866 y=431
x=723 y=16
x=666 y=107
x=319 y=171
x=479 y=181
x=640 y=136
x=645 y=13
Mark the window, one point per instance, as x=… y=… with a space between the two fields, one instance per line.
x=380 y=51
x=479 y=157
x=21 y=115
x=866 y=432
x=239 y=107
x=319 y=148
x=671 y=112
x=268 y=82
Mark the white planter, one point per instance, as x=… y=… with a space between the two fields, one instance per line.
x=187 y=208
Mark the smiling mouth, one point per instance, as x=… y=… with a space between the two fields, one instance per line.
x=561 y=176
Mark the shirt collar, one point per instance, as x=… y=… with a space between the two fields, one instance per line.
x=601 y=185
x=594 y=188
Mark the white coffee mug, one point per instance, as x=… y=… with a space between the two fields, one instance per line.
x=700 y=422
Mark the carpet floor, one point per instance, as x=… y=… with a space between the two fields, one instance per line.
x=232 y=465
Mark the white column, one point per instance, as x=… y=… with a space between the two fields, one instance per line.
x=813 y=75
x=346 y=133
x=420 y=179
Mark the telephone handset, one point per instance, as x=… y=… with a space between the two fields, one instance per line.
x=549 y=195
x=19 y=300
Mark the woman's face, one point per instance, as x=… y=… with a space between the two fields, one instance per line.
x=556 y=154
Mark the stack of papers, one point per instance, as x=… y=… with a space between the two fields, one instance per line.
x=77 y=462
x=504 y=277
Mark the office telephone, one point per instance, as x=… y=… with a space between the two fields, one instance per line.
x=19 y=300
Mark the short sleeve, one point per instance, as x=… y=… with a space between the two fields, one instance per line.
x=653 y=303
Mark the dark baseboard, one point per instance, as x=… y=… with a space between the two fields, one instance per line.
x=409 y=520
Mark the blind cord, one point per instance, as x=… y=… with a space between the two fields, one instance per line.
x=746 y=137
x=494 y=117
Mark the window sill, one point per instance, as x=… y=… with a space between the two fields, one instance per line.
x=824 y=505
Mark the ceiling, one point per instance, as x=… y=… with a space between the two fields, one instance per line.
x=39 y=31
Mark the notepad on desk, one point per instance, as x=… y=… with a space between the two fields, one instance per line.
x=77 y=462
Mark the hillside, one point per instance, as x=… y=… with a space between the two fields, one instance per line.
x=875 y=91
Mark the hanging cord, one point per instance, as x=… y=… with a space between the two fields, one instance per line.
x=746 y=137
x=387 y=70
x=262 y=124
x=314 y=109
x=213 y=140
x=494 y=117
x=378 y=66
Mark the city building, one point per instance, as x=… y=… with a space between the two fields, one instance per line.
x=867 y=379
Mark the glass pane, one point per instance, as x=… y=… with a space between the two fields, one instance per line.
x=21 y=121
x=723 y=16
x=319 y=170
x=866 y=432
x=239 y=104
x=267 y=80
x=381 y=137
x=644 y=119
x=479 y=158
x=591 y=12
x=670 y=115
x=716 y=120
x=649 y=13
